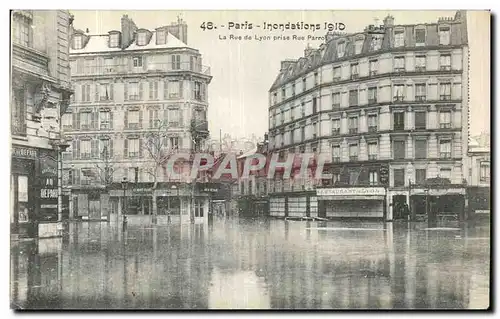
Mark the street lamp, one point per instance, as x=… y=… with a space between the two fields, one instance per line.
x=124 y=186
x=61 y=147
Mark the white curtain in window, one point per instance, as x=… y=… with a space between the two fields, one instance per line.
x=133 y=145
x=85 y=147
x=445 y=146
x=372 y=148
x=445 y=60
x=133 y=117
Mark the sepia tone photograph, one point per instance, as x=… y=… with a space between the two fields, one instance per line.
x=239 y=160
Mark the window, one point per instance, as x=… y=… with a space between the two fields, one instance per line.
x=275 y=98
x=445 y=119
x=133 y=119
x=420 y=92
x=314 y=147
x=335 y=100
x=372 y=150
x=85 y=92
x=114 y=40
x=302 y=109
x=353 y=125
x=420 y=176
x=105 y=119
x=444 y=35
x=353 y=97
x=376 y=43
x=484 y=174
x=373 y=175
x=197 y=91
x=399 y=92
x=420 y=120
x=67 y=121
x=336 y=73
x=314 y=130
x=445 y=62
x=445 y=173
x=133 y=147
x=85 y=148
x=354 y=71
x=154 y=120
x=176 y=62
x=399 y=38
x=283 y=94
x=21 y=30
x=153 y=90
x=292 y=133
x=316 y=78
x=399 y=177
x=105 y=92
x=399 y=120
x=335 y=126
x=77 y=42
x=302 y=133
x=399 y=64
x=293 y=89
x=174 y=142
x=372 y=95
x=358 y=46
x=420 y=37
x=420 y=63
x=106 y=149
x=109 y=66
x=87 y=176
x=174 y=89
x=445 y=149
x=420 y=149
x=304 y=84
x=353 y=177
x=373 y=67
x=88 y=66
x=86 y=119
x=372 y=122
x=335 y=178
x=302 y=149
x=353 y=152
x=340 y=49
x=137 y=61
x=399 y=149
x=173 y=117
x=141 y=39
x=336 y=153
x=314 y=105
x=133 y=91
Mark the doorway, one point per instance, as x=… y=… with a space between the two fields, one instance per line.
x=398 y=202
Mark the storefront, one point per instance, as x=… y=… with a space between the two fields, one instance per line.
x=352 y=202
x=293 y=204
x=446 y=201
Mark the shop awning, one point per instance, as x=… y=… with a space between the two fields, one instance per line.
x=352 y=197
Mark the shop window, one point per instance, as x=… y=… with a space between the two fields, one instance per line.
x=485 y=172
x=199 y=208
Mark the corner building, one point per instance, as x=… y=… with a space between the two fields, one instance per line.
x=390 y=106
x=130 y=83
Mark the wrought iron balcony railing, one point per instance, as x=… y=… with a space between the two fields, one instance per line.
x=145 y=68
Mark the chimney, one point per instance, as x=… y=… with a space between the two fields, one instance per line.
x=128 y=31
x=388 y=21
x=179 y=30
x=285 y=64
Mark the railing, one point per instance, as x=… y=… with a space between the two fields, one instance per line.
x=148 y=67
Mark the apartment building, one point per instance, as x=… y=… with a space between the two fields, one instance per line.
x=40 y=92
x=389 y=106
x=132 y=85
x=478 y=163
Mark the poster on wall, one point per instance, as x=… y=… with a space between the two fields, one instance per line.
x=48 y=188
x=22 y=184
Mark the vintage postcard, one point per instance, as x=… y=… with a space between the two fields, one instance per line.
x=250 y=160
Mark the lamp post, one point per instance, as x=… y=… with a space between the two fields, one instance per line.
x=61 y=147
x=124 y=186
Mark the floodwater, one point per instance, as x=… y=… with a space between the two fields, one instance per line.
x=255 y=264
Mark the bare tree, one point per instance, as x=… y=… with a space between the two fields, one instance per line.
x=106 y=169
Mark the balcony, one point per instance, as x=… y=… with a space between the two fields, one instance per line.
x=353 y=158
x=336 y=159
x=420 y=69
x=148 y=68
x=399 y=70
x=372 y=129
x=372 y=157
x=336 y=131
x=199 y=125
x=398 y=98
x=420 y=98
x=373 y=72
x=336 y=106
x=372 y=101
x=353 y=131
x=354 y=76
x=445 y=68
x=445 y=97
x=445 y=155
x=336 y=79
x=445 y=125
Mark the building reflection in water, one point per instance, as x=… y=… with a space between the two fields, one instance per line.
x=254 y=264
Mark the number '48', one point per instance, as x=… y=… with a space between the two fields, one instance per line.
x=207 y=26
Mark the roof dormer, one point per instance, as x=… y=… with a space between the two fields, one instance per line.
x=161 y=36
x=142 y=37
x=114 y=40
x=79 y=40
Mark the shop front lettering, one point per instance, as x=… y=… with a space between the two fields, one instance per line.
x=24 y=152
x=350 y=191
x=48 y=193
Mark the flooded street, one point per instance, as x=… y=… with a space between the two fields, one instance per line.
x=255 y=264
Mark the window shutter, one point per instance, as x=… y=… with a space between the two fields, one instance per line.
x=165 y=90
x=130 y=63
x=181 y=90
x=156 y=86
x=140 y=147
x=173 y=62
x=165 y=117
x=181 y=121
x=93 y=117
x=76 y=176
x=97 y=97
x=193 y=90
x=77 y=126
x=110 y=119
x=150 y=118
x=151 y=90
x=77 y=148
x=125 y=118
x=204 y=92
x=141 y=89
x=110 y=93
x=140 y=119
x=144 y=63
x=74 y=119
x=110 y=148
x=125 y=91
x=83 y=92
x=125 y=147
x=94 y=148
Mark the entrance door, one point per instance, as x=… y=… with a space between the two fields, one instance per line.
x=94 y=209
x=398 y=202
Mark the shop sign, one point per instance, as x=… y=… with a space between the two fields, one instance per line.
x=141 y=190
x=370 y=191
x=48 y=187
x=24 y=152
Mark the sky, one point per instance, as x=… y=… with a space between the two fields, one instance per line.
x=244 y=70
